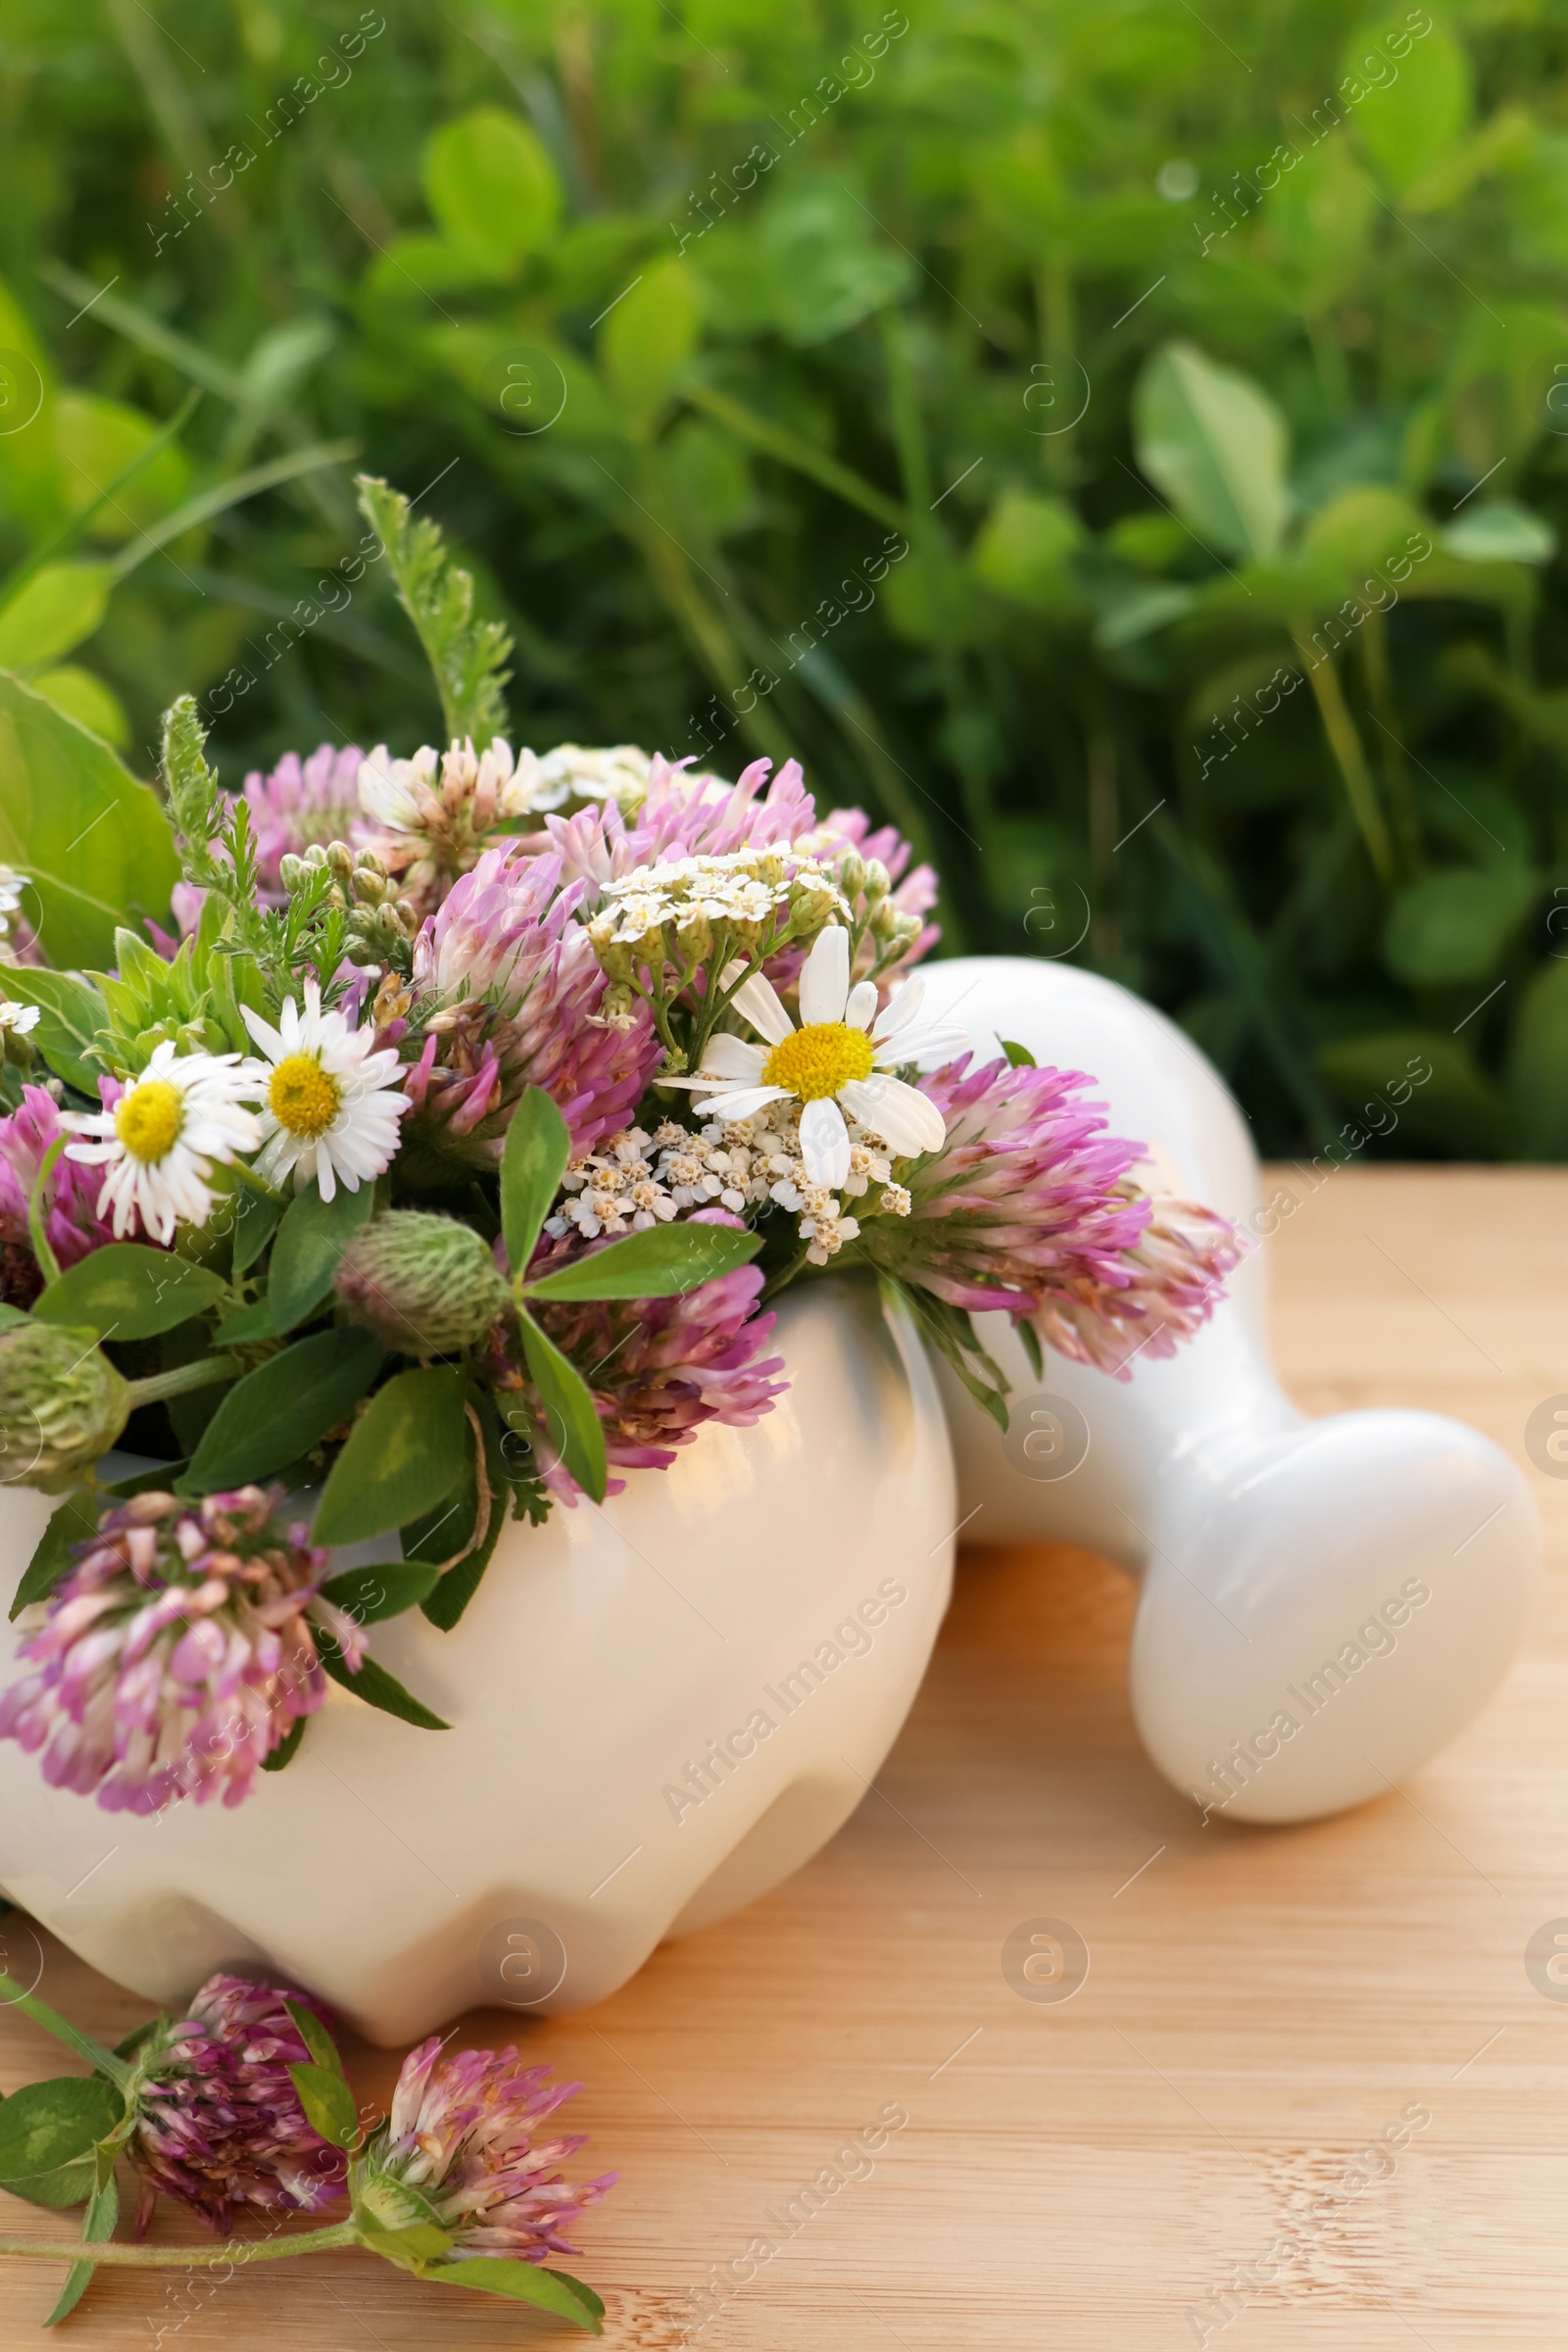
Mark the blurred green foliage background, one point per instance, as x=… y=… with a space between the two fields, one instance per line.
x=1127 y=447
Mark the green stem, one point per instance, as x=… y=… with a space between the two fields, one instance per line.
x=1395 y=773
x=38 y=1235
x=785 y=1276
x=257 y=1183
x=233 y=2251
x=14 y=1997
x=173 y=1382
x=1349 y=758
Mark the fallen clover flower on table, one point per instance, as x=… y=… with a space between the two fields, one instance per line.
x=242 y=2100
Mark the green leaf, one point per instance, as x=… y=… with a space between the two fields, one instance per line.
x=86 y=698
x=288 y=1747
x=282 y=1408
x=1499 y=532
x=489 y=181
x=93 y=842
x=316 y=2037
x=328 y=2102
x=649 y=337
x=393 y=2208
x=255 y=1218
x=252 y=1323
x=47 y=2135
x=310 y=1241
x=571 y=1423
x=1025 y=553
x=1454 y=925
x=466 y=656
x=74 y=1522
x=951 y=1329
x=525 y=2282
x=1216 y=445
x=456 y=1586
x=414 y=2247
x=1410 y=117
x=662 y=1264
x=97 y=2224
x=130 y=1291
x=70 y=1014
x=1019 y=1056
x=384 y=1590
x=533 y=1161
x=378 y=1688
x=402 y=1455
x=58 y=607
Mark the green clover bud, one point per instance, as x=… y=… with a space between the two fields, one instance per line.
x=423 y=1284
x=62 y=1405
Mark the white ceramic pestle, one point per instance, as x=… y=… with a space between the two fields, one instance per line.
x=1324 y=1603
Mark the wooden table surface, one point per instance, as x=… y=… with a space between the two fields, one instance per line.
x=1260 y=2004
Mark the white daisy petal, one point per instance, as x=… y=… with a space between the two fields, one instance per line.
x=729 y=1056
x=266 y=1036
x=861 y=1005
x=902 y=1005
x=741 y=1103
x=825 y=977
x=757 y=999
x=924 y=1041
x=825 y=1141
x=910 y=1120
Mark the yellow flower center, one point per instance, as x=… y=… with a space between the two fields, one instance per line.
x=148 y=1119
x=818 y=1060
x=301 y=1096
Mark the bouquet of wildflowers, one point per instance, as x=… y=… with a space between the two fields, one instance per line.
x=448 y=1163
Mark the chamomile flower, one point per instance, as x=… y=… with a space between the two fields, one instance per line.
x=157 y=1143
x=328 y=1104
x=840 y=1059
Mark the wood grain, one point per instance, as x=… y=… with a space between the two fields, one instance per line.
x=1260 y=2003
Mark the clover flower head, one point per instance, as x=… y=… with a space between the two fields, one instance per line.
x=177 y=1653
x=469 y=2145
x=218 y=2122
